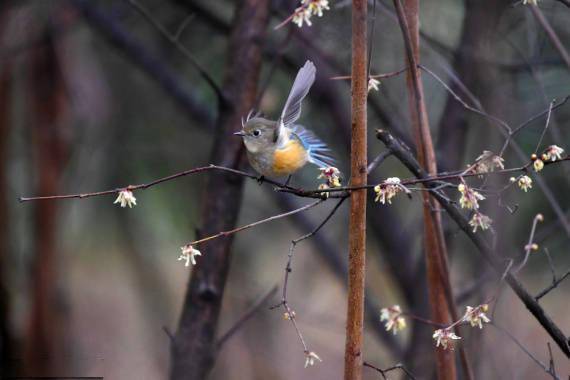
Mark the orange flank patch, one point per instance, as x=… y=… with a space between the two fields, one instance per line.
x=289 y=159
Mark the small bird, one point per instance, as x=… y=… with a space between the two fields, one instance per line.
x=280 y=148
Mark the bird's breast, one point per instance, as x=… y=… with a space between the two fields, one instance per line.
x=289 y=158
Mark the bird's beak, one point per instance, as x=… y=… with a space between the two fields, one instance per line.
x=240 y=133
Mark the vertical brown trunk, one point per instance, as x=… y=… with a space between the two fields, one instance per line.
x=357 y=223
x=6 y=342
x=477 y=45
x=193 y=349
x=434 y=245
x=44 y=342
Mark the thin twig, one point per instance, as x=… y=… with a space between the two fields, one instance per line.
x=288 y=269
x=558 y=45
x=254 y=224
x=554 y=285
x=144 y=186
x=389 y=369
x=377 y=76
x=173 y=38
x=377 y=161
x=245 y=317
x=527 y=352
x=540 y=114
x=545 y=126
x=500 y=122
x=528 y=247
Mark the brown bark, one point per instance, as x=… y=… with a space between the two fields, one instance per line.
x=6 y=339
x=434 y=244
x=193 y=349
x=353 y=356
x=44 y=341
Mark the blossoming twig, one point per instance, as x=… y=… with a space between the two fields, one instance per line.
x=289 y=313
x=482 y=245
x=530 y=246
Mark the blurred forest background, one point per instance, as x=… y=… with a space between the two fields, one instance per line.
x=93 y=97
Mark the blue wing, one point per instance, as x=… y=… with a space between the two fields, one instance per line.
x=319 y=153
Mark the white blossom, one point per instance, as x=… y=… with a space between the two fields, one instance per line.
x=445 y=338
x=310 y=358
x=469 y=197
x=525 y=183
x=393 y=317
x=301 y=15
x=476 y=315
x=316 y=7
x=189 y=254
x=479 y=220
x=488 y=162
x=126 y=198
x=332 y=175
x=552 y=153
x=388 y=189
x=373 y=84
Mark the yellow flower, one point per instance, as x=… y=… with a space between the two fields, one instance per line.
x=469 y=197
x=525 y=183
x=538 y=165
x=389 y=189
x=476 y=315
x=332 y=175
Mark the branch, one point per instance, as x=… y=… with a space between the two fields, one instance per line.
x=554 y=39
x=245 y=317
x=138 y=54
x=555 y=284
x=439 y=288
x=254 y=224
x=383 y=372
x=549 y=371
x=482 y=245
x=174 y=40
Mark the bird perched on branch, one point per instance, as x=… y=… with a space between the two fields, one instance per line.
x=280 y=148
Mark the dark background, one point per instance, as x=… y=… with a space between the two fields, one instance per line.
x=87 y=287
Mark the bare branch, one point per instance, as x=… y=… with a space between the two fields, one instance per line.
x=255 y=224
x=383 y=372
x=527 y=352
x=245 y=317
x=173 y=38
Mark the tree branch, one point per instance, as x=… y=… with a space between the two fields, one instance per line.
x=482 y=245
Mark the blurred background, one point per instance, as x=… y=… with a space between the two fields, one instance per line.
x=92 y=97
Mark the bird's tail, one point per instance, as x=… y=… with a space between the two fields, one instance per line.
x=319 y=153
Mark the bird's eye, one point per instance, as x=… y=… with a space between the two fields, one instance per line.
x=257 y=132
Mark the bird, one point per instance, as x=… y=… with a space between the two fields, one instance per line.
x=282 y=147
